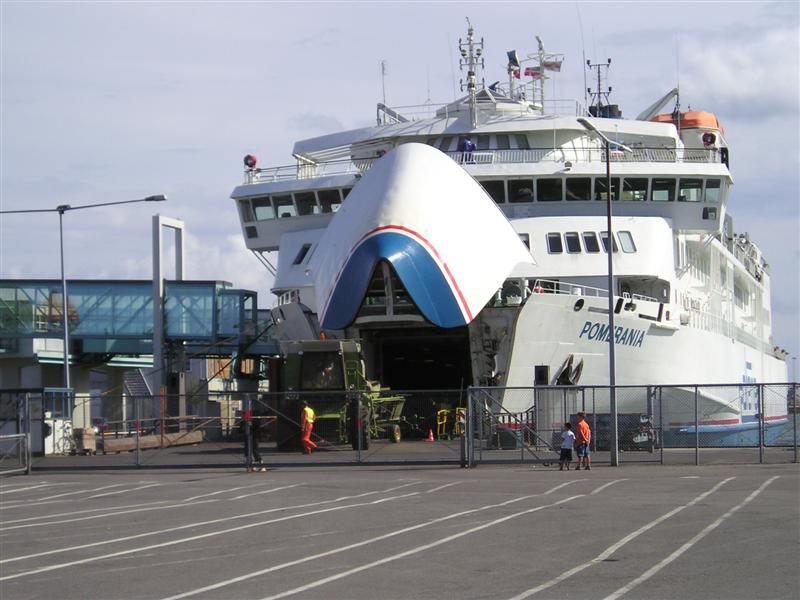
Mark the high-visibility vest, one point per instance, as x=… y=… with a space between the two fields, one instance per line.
x=309 y=414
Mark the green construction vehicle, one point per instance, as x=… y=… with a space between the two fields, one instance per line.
x=329 y=375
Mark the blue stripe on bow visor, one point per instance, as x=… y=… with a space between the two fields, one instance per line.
x=421 y=276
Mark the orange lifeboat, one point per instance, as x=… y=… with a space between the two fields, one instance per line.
x=693 y=119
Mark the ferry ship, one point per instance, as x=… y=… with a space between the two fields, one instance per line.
x=466 y=244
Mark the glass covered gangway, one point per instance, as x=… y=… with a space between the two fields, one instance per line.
x=116 y=317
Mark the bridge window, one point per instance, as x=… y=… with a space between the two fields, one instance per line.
x=554 y=245
x=663 y=190
x=526 y=239
x=604 y=239
x=263 y=209
x=690 y=190
x=502 y=142
x=634 y=189
x=522 y=141
x=306 y=203
x=520 y=190
x=600 y=188
x=496 y=188
x=444 y=146
x=284 y=206
x=590 y=242
x=549 y=190
x=579 y=188
x=713 y=190
x=329 y=200
x=246 y=211
x=626 y=241
x=573 y=242
x=482 y=142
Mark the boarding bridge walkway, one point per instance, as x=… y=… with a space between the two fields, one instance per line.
x=116 y=318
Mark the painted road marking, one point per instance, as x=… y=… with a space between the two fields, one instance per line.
x=190 y=525
x=384 y=536
x=614 y=547
x=708 y=529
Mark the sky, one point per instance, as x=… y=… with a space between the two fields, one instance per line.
x=110 y=101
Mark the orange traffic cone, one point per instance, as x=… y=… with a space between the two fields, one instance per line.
x=430 y=435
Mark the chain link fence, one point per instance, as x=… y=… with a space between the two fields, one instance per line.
x=679 y=424
x=658 y=424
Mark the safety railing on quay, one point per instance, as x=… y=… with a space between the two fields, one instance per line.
x=15 y=455
x=661 y=424
x=667 y=424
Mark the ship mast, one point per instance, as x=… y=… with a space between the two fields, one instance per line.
x=471 y=52
x=598 y=95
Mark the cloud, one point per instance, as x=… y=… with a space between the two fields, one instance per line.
x=314 y=122
x=754 y=73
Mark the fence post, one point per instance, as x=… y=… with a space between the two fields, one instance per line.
x=137 y=423
x=594 y=419
x=359 y=426
x=696 y=431
x=29 y=453
x=794 y=417
x=760 y=405
x=660 y=428
x=248 y=432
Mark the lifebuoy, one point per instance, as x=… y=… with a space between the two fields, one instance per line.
x=709 y=138
x=250 y=161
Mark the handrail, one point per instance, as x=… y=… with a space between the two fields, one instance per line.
x=357 y=166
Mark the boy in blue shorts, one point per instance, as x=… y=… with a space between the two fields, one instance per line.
x=567 y=441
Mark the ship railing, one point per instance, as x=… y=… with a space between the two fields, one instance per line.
x=551 y=286
x=361 y=165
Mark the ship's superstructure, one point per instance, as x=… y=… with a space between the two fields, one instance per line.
x=466 y=243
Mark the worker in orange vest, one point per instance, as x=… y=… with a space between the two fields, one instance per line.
x=306 y=427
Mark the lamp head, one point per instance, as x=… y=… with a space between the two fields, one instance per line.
x=156 y=198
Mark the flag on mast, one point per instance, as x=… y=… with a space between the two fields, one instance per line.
x=552 y=65
x=533 y=72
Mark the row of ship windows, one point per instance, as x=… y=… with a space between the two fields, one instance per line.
x=542 y=189
x=265 y=208
x=637 y=189
x=587 y=241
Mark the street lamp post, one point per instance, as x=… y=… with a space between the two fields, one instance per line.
x=61 y=209
x=610 y=251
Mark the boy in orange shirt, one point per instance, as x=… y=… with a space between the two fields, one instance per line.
x=583 y=437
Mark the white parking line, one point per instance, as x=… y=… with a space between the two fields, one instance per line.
x=31 y=487
x=416 y=550
x=708 y=529
x=384 y=536
x=602 y=487
x=616 y=546
x=241 y=487
x=46 y=499
x=269 y=491
x=190 y=525
x=80 y=512
x=141 y=487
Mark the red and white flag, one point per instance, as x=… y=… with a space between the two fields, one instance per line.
x=552 y=65
x=533 y=72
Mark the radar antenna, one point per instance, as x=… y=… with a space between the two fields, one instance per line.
x=471 y=58
x=600 y=93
